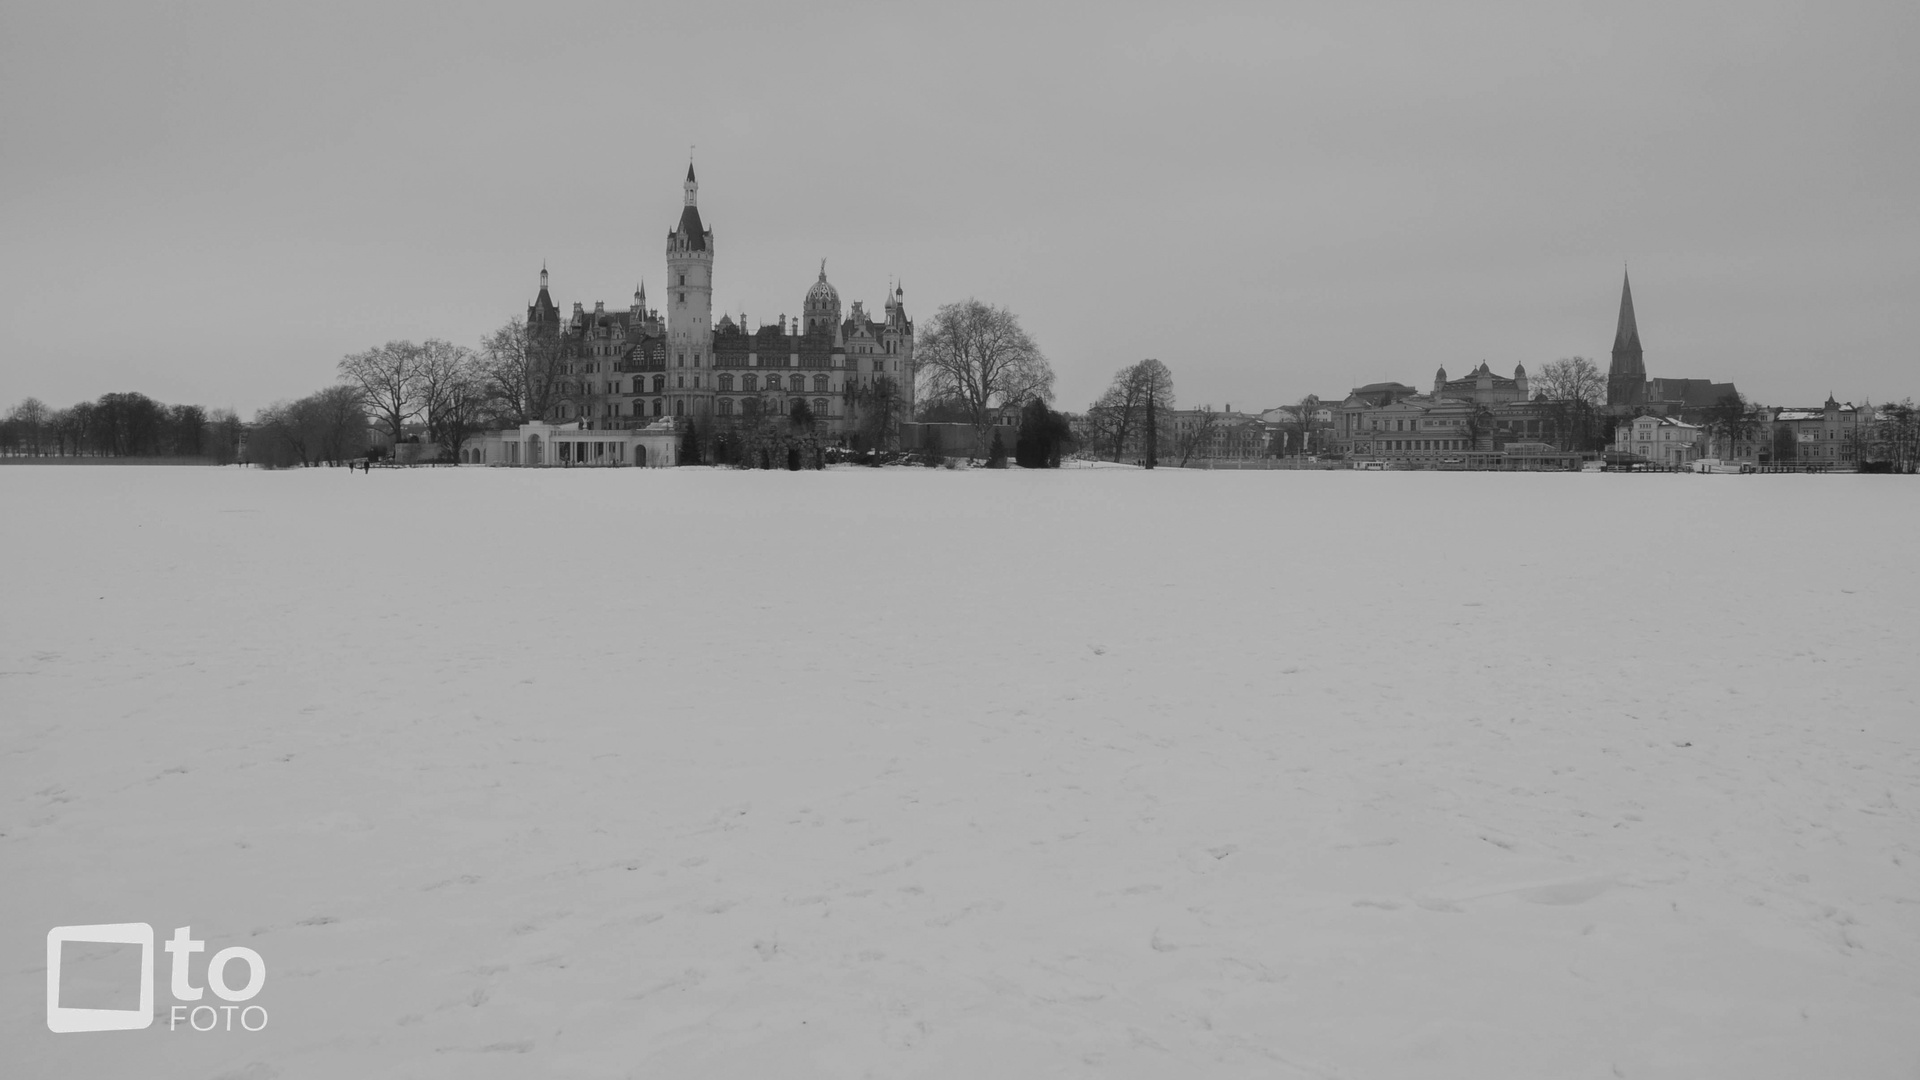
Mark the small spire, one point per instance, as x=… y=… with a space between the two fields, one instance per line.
x=823 y=269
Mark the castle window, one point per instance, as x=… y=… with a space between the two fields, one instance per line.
x=658 y=406
x=819 y=384
x=681 y=383
x=726 y=382
x=748 y=383
x=683 y=279
x=797 y=384
x=726 y=406
x=659 y=386
x=679 y=408
x=820 y=406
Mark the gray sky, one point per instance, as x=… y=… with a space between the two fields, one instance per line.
x=214 y=202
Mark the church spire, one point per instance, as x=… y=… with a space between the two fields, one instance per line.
x=1627 y=374
x=1627 y=335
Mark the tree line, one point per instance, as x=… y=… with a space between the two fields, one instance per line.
x=120 y=425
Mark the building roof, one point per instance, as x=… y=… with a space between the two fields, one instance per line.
x=1694 y=393
x=1662 y=421
x=1626 y=336
x=690 y=226
x=1811 y=413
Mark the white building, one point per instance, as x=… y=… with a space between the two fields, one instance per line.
x=572 y=444
x=1660 y=439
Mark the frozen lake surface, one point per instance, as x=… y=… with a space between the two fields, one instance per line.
x=913 y=773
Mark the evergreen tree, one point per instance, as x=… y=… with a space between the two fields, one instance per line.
x=997 y=452
x=689 y=444
x=1044 y=435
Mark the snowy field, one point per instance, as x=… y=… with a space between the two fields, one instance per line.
x=914 y=773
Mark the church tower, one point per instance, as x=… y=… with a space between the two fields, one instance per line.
x=690 y=309
x=1627 y=374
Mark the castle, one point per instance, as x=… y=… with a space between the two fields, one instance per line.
x=635 y=368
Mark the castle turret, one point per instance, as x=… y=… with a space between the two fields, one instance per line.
x=1520 y=381
x=542 y=311
x=1439 y=382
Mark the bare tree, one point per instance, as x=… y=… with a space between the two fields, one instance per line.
x=463 y=409
x=339 y=423
x=72 y=428
x=876 y=410
x=1156 y=401
x=445 y=374
x=1306 y=414
x=284 y=434
x=525 y=371
x=978 y=355
x=1194 y=436
x=31 y=419
x=1574 y=390
x=1574 y=378
x=1120 y=413
x=1893 y=435
x=388 y=379
x=187 y=430
x=1733 y=419
x=223 y=435
x=127 y=424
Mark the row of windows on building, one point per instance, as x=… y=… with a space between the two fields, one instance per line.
x=723 y=407
x=1415 y=446
x=795 y=384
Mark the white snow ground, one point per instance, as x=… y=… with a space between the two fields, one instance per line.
x=918 y=773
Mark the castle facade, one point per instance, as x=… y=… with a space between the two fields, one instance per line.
x=852 y=371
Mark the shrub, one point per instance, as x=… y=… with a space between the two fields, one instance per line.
x=997 y=452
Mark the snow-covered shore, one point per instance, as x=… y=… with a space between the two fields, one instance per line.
x=930 y=773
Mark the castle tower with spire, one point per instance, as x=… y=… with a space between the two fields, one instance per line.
x=632 y=369
x=1627 y=374
x=690 y=307
x=542 y=313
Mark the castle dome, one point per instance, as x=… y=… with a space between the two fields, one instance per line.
x=823 y=295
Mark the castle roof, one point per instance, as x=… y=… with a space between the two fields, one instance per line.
x=690 y=226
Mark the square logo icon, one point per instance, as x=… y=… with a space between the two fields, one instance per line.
x=65 y=1020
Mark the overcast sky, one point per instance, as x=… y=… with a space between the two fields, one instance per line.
x=213 y=202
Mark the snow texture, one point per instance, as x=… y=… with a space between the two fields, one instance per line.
x=928 y=773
